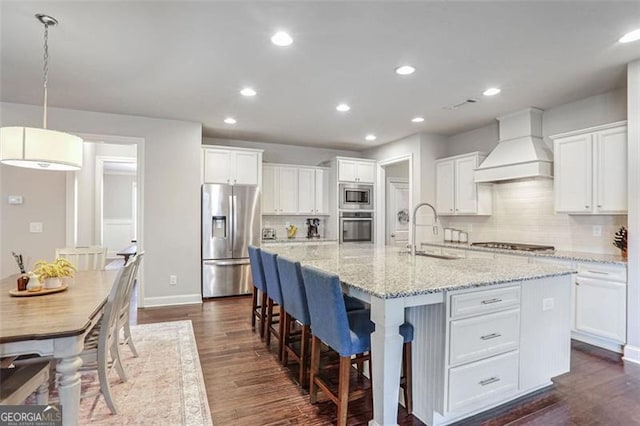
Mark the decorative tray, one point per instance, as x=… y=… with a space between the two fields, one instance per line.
x=27 y=293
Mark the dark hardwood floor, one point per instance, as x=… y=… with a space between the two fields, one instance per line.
x=247 y=386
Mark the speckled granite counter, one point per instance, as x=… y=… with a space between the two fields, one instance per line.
x=389 y=272
x=557 y=254
x=298 y=241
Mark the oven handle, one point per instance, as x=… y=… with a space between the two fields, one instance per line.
x=360 y=219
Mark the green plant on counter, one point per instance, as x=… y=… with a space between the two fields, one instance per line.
x=620 y=238
x=57 y=269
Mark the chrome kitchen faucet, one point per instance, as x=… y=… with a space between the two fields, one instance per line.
x=434 y=227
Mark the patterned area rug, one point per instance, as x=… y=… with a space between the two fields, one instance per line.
x=165 y=385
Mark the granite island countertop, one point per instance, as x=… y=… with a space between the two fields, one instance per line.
x=302 y=240
x=391 y=272
x=557 y=254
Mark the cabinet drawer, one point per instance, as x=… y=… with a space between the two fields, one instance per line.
x=482 y=383
x=480 y=337
x=602 y=272
x=482 y=302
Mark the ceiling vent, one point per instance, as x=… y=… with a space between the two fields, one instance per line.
x=461 y=104
x=520 y=153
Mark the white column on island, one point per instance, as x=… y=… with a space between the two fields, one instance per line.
x=632 y=348
x=386 y=358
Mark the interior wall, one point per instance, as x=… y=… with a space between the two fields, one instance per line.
x=398 y=170
x=286 y=154
x=171 y=187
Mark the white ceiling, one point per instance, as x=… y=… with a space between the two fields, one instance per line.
x=188 y=60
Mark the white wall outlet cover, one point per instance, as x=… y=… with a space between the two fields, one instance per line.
x=35 y=227
x=173 y=280
x=597 y=230
x=547 y=304
x=14 y=199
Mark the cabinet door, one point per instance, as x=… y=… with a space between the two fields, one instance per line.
x=306 y=190
x=347 y=171
x=444 y=187
x=611 y=170
x=466 y=198
x=246 y=168
x=321 y=195
x=270 y=191
x=288 y=190
x=573 y=174
x=366 y=172
x=601 y=308
x=217 y=166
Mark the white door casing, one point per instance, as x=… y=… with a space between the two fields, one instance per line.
x=398 y=212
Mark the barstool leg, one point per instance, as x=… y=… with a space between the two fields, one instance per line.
x=343 y=390
x=254 y=307
x=408 y=374
x=269 y=321
x=263 y=314
x=313 y=371
x=281 y=326
x=285 y=337
x=304 y=349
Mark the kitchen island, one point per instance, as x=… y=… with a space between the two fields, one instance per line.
x=485 y=332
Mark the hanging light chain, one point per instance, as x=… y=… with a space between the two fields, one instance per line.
x=45 y=72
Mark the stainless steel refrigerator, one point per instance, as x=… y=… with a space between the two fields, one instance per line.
x=230 y=223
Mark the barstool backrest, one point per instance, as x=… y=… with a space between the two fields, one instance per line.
x=293 y=293
x=257 y=271
x=270 y=266
x=327 y=311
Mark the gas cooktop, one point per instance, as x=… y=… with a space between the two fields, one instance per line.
x=513 y=246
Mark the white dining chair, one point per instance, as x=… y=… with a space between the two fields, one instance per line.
x=84 y=258
x=124 y=313
x=101 y=348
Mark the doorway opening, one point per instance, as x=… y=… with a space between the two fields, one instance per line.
x=394 y=201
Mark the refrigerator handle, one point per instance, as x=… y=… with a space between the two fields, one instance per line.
x=230 y=223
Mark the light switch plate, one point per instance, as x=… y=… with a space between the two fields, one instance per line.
x=597 y=231
x=547 y=304
x=35 y=227
x=15 y=199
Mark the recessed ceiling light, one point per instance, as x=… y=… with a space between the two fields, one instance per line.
x=491 y=91
x=417 y=119
x=343 y=107
x=370 y=137
x=230 y=120
x=281 y=39
x=248 y=91
x=631 y=36
x=405 y=70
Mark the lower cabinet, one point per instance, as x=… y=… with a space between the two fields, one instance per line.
x=601 y=308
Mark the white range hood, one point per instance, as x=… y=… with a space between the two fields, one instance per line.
x=520 y=153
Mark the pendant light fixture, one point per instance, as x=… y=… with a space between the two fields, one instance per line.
x=41 y=148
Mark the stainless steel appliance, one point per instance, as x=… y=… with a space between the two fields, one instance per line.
x=513 y=246
x=313 y=227
x=356 y=196
x=356 y=227
x=230 y=223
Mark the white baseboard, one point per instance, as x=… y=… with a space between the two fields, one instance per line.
x=183 y=299
x=631 y=354
x=597 y=341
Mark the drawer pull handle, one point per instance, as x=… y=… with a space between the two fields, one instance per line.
x=489 y=381
x=489 y=301
x=491 y=336
x=598 y=272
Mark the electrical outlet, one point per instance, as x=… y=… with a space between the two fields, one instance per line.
x=547 y=304
x=597 y=230
x=173 y=279
x=35 y=227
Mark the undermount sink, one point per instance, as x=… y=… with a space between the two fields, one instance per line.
x=436 y=256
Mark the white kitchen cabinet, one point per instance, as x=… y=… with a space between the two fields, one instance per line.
x=321 y=191
x=280 y=190
x=601 y=301
x=231 y=166
x=354 y=170
x=311 y=191
x=590 y=168
x=457 y=193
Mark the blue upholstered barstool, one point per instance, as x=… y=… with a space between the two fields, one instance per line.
x=348 y=333
x=294 y=299
x=258 y=310
x=274 y=297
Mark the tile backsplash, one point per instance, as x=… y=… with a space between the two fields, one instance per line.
x=523 y=213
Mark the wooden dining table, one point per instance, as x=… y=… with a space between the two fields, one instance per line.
x=55 y=325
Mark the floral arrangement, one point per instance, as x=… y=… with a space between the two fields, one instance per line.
x=57 y=269
x=620 y=238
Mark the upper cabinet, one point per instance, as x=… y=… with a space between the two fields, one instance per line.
x=590 y=168
x=290 y=190
x=356 y=170
x=231 y=166
x=457 y=193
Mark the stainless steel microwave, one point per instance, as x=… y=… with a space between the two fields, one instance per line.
x=356 y=196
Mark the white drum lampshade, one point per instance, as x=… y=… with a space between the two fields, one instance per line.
x=40 y=149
